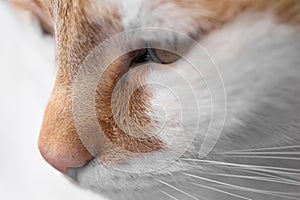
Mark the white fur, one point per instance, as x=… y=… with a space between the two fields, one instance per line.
x=129 y=10
x=259 y=63
x=140 y=14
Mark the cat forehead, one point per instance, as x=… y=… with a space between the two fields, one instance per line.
x=129 y=9
x=134 y=12
x=156 y=13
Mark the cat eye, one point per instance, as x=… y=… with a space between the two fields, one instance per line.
x=156 y=56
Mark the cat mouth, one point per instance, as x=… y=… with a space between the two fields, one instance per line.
x=99 y=177
x=72 y=175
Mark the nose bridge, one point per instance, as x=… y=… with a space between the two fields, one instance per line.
x=59 y=142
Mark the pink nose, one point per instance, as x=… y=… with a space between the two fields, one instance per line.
x=62 y=160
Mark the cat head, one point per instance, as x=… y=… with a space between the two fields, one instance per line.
x=140 y=86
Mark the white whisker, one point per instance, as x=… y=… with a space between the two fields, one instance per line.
x=270 y=193
x=260 y=167
x=264 y=157
x=271 y=148
x=221 y=191
x=263 y=173
x=167 y=194
x=264 y=192
x=259 y=153
x=274 y=171
x=278 y=178
x=253 y=178
x=177 y=189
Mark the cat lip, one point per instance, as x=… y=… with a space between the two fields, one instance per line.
x=72 y=176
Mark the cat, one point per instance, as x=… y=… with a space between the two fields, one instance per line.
x=174 y=99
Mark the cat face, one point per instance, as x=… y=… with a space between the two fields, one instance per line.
x=150 y=95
